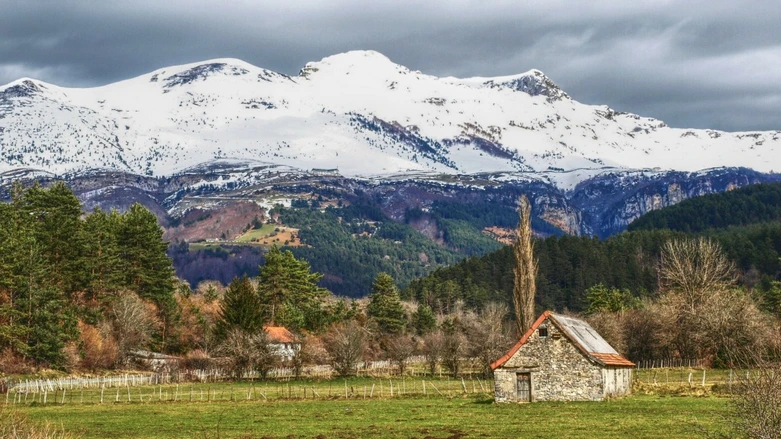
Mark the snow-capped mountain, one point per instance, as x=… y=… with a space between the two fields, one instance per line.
x=357 y=112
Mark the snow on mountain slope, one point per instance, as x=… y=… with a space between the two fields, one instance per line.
x=358 y=112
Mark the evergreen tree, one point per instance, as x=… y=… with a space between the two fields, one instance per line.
x=13 y=239
x=603 y=299
x=54 y=265
x=35 y=320
x=100 y=259
x=289 y=291
x=50 y=324
x=240 y=309
x=423 y=320
x=54 y=215
x=146 y=267
x=385 y=305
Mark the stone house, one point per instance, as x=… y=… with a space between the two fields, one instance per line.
x=561 y=359
x=283 y=342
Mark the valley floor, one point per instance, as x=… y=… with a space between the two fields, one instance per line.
x=432 y=416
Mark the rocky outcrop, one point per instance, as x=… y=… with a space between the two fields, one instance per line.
x=601 y=206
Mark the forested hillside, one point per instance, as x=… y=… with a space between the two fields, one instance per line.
x=749 y=205
x=362 y=241
x=569 y=266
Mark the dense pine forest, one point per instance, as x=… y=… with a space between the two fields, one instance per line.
x=759 y=203
x=744 y=222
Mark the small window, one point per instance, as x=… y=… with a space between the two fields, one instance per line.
x=543 y=331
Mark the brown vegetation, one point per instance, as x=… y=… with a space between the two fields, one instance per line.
x=699 y=312
x=14 y=425
x=345 y=344
x=228 y=218
x=503 y=235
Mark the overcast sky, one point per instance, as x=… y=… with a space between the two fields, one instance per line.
x=702 y=64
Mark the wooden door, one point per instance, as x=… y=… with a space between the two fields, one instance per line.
x=524 y=386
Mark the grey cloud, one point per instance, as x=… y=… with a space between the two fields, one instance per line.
x=705 y=64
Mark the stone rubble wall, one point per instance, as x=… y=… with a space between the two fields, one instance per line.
x=559 y=372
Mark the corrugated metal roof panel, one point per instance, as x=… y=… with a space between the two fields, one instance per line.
x=583 y=334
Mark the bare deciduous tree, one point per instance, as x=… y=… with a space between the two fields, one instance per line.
x=488 y=338
x=248 y=351
x=454 y=346
x=133 y=321
x=399 y=349
x=432 y=349
x=694 y=268
x=708 y=316
x=755 y=408
x=345 y=343
x=99 y=350
x=525 y=271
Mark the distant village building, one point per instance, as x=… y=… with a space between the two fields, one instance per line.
x=154 y=360
x=284 y=343
x=561 y=359
x=333 y=172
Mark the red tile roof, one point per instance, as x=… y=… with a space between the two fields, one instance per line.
x=521 y=342
x=612 y=359
x=280 y=334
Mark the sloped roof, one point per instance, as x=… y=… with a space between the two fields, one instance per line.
x=582 y=335
x=280 y=334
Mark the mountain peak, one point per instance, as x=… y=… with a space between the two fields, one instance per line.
x=187 y=74
x=365 y=61
x=534 y=82
x=21 y=88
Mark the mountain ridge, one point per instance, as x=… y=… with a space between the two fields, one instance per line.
x=357 y=112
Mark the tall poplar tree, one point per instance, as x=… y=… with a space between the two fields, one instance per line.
x=525 y=271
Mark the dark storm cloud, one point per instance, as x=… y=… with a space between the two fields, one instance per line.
x=706 y=64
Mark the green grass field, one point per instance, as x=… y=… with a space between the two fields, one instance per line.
x=262 y=232
x=449 y=414
x=638 y=417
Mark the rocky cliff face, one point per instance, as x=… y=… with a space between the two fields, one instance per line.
x=600 y=206
x=609 y=203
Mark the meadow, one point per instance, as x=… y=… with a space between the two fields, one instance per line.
x=319 y=409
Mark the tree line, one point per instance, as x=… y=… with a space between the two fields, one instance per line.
x=61 y=270
x=753 y=204
x=94 y=290
x=570 y=265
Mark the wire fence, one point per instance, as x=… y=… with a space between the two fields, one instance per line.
x=671 y=363
x=171 y=375
x=352 y=388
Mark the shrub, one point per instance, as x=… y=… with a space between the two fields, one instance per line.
x=14 y=425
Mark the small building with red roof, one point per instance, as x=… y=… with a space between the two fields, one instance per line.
x=285 y=344
x=561 y=358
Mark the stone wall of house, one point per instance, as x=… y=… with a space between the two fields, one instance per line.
x=559 y=370
x=285 y=351
x=618 y=381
